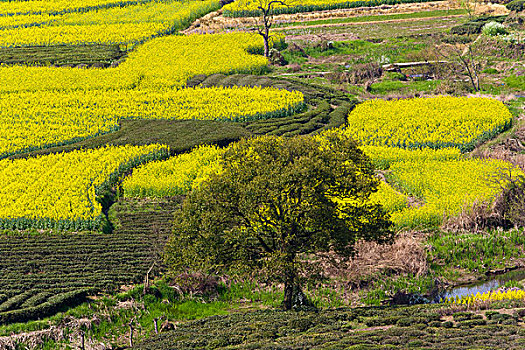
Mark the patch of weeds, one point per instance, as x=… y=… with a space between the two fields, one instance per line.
x=474 y=252
x=490 y=71
x=387 y=86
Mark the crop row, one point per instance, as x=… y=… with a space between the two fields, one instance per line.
x=46 y=306
x=413 y=327
x=40 y=268
x=49 y=118
x=60 y=191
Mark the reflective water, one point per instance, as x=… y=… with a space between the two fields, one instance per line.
x=492 y=283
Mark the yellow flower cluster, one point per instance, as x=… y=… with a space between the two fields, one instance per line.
x=172 y=60
x=52 y=6
x=62 y=188
x=391 y=199
x=55 y=117
x=446 y=187
x=175 y=176
x=498 y=295
x=428 y=122
x=116 y=25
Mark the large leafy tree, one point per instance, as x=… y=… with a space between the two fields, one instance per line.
x=275 y=201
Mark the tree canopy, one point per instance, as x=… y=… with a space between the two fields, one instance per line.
x=275 y=200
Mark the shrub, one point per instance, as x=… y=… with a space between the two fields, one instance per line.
x=493 y=29
x=364 y=72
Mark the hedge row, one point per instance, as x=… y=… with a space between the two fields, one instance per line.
x=50 y=307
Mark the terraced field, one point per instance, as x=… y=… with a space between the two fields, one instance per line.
x=95 y=89
x=43 y=273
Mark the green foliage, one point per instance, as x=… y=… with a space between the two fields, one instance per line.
x=363 y=51
x=49 y=307
x=388 y=86
x=490 y=71
x=273 y=201
x=516 y=5
x=516 y=82
x=475 y=26
x=387 y=286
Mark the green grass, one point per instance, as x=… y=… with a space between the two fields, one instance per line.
x=476 y=253
x=516 y=82
x=386 y=87
x=391 y=50
x=61 y=55
x=373 y=18
x=387 y=286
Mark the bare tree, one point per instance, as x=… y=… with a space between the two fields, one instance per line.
x=265 y=20
x=467 y=55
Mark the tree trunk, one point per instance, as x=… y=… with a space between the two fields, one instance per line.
x=266 y=45
x=288 y=294
x=289 y=282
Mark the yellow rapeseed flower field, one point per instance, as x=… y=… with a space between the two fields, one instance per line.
x=116 y=25
x=175 y=176
x=60 y=190
x=446 y=187
x=428 y=122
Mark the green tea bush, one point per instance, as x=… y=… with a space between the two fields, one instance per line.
x=516 y=5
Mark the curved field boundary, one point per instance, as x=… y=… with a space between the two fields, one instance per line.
x=327 y=108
